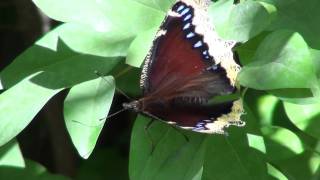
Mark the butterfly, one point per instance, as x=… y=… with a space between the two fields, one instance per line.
x=187 y=67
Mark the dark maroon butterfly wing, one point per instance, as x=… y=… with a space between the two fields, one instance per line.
x=179 y=75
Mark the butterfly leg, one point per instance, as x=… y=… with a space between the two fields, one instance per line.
x=146 y=127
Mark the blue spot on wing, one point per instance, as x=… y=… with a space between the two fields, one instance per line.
x=201 y=125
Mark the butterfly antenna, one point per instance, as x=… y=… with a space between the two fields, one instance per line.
x=113 y=114
x=117 y=89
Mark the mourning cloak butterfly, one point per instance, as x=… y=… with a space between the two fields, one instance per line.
x=187 y=66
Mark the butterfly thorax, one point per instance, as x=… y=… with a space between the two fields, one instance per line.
x=133 y=106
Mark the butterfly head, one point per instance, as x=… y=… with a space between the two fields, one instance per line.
x=133 y=105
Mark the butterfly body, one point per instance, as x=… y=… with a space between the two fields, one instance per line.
x=187 y=66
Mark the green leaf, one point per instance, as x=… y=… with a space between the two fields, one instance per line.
x=48 y=65
x=296 y=96
x=315 y=54
x=247 y=50
x=265 y=107
x=281 y=143
x=202 y=157
x=305 y=117
x=302 y=166
x=257 y=142
x=55 y=66
x=126 y=16
x=84 y=107
x=127 y=79
x=219 y=13
x=10 y=155
x=172 y=158
x=276 y=173
x=157 y=4
x=247 y=20
x=140 y=47
x=33 y=171
x=302 y=18
x=231 y=157
x=281 y=61
x=19 y=105
x=268 y=111
x=84 y=39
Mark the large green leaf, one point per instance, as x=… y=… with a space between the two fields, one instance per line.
x=55 y=66
x=84 y=107
x=48 y=65
x=300 y=17
x=247 y=50
x=19 y=105
x=157 y=4
x=140 y=47
x=300 y=167
x=10 y=155
x=247 y=20
x=281 y=143
x=202 y=157
x=219 y=13
x=282 y=61
x=84 y=39
x=54 y=58
x=231 y=157
x=305 y=117
x=267 y=110
x=127 y=16
x=173 y=157
x=296 y=95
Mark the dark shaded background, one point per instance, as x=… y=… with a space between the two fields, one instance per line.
x=46 y=140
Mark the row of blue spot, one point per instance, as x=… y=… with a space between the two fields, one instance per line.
x=187 y=15
x=200 y=126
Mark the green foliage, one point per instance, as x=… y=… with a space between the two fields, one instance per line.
x=10 y=155
x=91 y=98
x=281 y=58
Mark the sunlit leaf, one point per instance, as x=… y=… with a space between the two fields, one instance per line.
x=10 y=155
x=85 y=106
x=305 y=117
x=19 y=105
x=128 y=16
x=281 y=143
x=140 y=47
x=276 y=173
x=247 y=20
x=54 y=58
x=84 y=39
x=219 y=13
x=282 y=61
x=256 y=142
